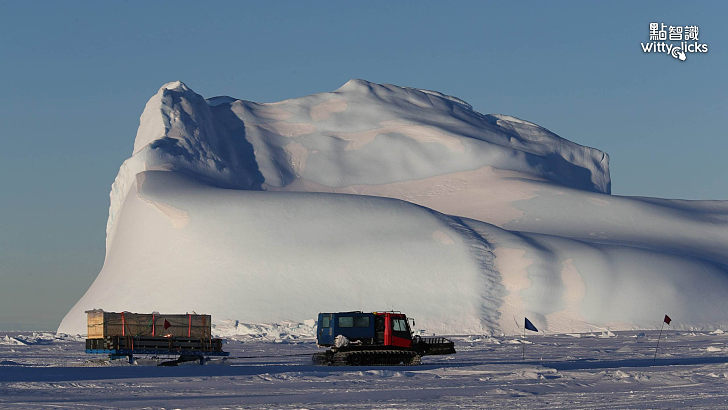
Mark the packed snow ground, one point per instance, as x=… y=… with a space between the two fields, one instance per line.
x=578 y=370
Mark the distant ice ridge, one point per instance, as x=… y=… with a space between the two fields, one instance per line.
x=35 y=338
x=286 y=331
x=381 y=197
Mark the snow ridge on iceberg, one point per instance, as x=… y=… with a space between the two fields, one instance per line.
x=361 y=134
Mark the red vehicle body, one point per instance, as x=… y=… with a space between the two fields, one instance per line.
x=392 y=338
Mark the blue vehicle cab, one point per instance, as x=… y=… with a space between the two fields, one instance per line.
x=354 y=325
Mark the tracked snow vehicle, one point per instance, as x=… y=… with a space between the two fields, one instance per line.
x=378 y=338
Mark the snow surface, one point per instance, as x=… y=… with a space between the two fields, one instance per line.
x=559 y=371
x=380 y=197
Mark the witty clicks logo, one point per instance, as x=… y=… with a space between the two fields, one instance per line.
x=676 y=41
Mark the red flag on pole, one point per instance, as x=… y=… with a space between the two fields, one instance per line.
x=667 y=319
x=166 y=324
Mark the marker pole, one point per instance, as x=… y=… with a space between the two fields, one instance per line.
x=523 y=343
x=658 y=341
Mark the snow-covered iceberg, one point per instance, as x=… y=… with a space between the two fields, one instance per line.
x=381 y=197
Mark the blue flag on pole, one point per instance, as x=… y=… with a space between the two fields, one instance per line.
x=530 y=326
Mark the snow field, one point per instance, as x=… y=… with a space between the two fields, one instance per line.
x=558 y=371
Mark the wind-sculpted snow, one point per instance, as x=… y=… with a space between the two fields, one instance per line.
x=361 y=135
x=181 y=246
x=382 y=197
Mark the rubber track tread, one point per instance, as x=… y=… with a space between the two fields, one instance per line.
x=376 y=358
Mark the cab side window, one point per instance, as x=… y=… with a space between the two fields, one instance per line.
x=361 y=321
x=396 y=325
x=400 y=326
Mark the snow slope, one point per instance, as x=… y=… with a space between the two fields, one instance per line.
x=382 y=197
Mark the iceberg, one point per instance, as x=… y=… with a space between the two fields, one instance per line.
x=379 y=197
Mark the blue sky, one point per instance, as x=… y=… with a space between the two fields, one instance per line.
x=75 y=77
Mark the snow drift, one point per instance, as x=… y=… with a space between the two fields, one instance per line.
x=383 y=197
